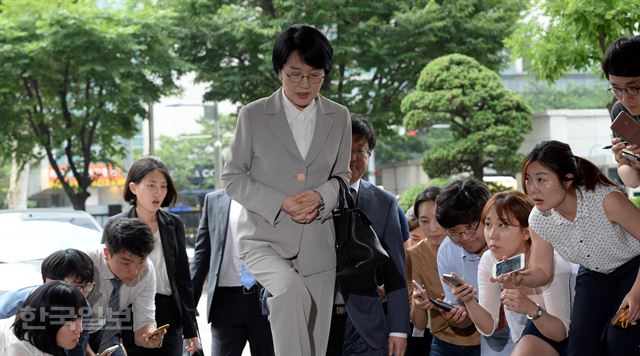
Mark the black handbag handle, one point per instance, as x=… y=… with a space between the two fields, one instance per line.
x=344 y=196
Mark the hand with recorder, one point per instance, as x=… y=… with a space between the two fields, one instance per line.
x=626 y=148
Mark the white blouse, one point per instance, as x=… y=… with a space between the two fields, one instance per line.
x=556 y=297
x=11 y=345
x=590 y=240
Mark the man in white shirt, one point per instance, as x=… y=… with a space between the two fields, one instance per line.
x=123 y=276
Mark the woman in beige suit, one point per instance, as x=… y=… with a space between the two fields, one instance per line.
x=286 y=147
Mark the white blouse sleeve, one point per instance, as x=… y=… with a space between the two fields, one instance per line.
x=557 y=295
x=489 y=292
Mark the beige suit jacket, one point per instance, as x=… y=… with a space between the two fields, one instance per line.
x=265 y=166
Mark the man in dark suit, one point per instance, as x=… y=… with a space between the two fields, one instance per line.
x=234 y=309
x=360 y=313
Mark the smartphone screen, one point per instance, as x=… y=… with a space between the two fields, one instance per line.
x=509 y=265
x=441 y=305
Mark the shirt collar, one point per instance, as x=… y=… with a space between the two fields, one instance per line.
x=292 y=112
x=356 y=186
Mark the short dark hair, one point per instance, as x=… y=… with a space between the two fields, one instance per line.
x=139 y=170
x=129 y=234
x=314 y=48
x=429 y=193
x=461 y=202
x=362 y=128
x=68 y=263
x=45 y=312
x=557 y=156
x=622 y=58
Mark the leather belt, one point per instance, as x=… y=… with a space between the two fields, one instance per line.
x=239 y=290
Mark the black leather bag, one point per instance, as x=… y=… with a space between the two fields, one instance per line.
x=357 y=245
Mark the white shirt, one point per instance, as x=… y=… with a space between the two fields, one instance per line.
x=163 y=286
x=141 y=293
x=556 y=297
x=302 y=123
x=229 y=275
x=590 y=240
x=10 y=345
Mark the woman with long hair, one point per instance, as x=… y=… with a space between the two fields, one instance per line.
x=589 y=221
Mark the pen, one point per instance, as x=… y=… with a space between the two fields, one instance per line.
x=609 y=146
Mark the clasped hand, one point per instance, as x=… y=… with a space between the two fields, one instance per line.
x=302 y=207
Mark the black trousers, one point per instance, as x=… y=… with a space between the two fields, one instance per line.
x=597 y=299
x=166 y=313
x=236 y=317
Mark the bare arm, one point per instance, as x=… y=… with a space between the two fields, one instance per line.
x=620 y=210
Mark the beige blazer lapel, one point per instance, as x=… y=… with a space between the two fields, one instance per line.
x=277 y=121
x=324 y=122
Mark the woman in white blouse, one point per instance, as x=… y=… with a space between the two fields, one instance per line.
x=538 y=318
x=49 y=322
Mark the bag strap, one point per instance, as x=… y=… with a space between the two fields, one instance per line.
x=345 y=200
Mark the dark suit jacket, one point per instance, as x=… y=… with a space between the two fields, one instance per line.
x=210 y=243
x=175 y=255
x=365 y=310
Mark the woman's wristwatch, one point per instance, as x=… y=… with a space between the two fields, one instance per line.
x=538 y=313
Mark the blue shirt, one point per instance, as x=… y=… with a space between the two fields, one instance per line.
x=453 y=258
x=10 y=302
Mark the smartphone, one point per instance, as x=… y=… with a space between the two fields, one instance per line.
x=511 y=264
x=109 y=350
x=627 y=127
x=453 y=280
x=160 y=328
x=630 y=156
x=418 y=287
x=441 y=305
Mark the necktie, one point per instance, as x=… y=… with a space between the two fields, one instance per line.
x=354 y=195
x=246 y=278
x=112 y=325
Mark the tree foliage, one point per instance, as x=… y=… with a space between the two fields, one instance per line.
x=564 y=35
x=189 y=155
x=487 y=121
x=380 y=46
x=73 y=78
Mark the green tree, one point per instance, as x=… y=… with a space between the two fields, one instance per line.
x=380 y=46
x=73 y=79
x=5 y=176
x=574 y=34
x=487 y=121
x=190 y=154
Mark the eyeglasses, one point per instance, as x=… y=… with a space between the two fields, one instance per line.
x=361 y=152
x=313 y=78
x=460 y=235
x=85 y=288
x=630 y=91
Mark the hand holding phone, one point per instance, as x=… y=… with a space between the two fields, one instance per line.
x=630 y=156
x=419 y=289
x=109 y=350
x=441 y=305
x=511 y=264
x=452 y=279
x=160 y=329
